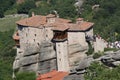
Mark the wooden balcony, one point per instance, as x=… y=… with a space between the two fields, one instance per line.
x=60 y=36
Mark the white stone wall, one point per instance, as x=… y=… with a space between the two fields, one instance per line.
x=31 y=35
x=99 y=45
x=48 y=34
x=90 y=32
x=62 y=56
x=77 y=38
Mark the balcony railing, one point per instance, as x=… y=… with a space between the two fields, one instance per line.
x=60 y=36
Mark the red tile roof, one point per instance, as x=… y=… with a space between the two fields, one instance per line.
x=81 y=27
x=60 y=20
x=34 y=21
x=59 y=24
x=53 y=75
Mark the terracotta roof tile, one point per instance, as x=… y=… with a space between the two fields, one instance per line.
x=60 y=26
x=82 y=26
x=34 y=21
x=53 y=75
x=63 y=20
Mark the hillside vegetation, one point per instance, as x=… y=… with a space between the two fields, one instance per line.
x=7 y=24
x=106 y=17
x=7 y=54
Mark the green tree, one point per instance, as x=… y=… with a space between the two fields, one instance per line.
x=26 y=6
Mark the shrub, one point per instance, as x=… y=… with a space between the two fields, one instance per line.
x=110 y=49
x=26 y=6
x=90 y=50
x=26 y=76
x=100 y=72
x=97 y=55
x=11 y=11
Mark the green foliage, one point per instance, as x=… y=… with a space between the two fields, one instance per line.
x=8 y=23
x=26 y=76
x=106 y=17
x=100 y=72
x=7 y=54
x=26 y=6
x=97 y=55
x=1 y=13
x=90 y=50
x=43 y=9
x=11 y=11
x=110 y=49
x=5 y=5
x=63 y=7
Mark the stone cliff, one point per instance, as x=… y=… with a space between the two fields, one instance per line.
x=36 y=58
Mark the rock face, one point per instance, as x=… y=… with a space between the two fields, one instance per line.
x=42 y=58
x=78 y=72
x=111 y=59
x=76 y=54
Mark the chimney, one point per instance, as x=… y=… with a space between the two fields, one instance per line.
x=33 y=14
x=50 y=18
x=79 y=20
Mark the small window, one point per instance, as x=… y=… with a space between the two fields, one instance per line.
x=35 y=34
x=59 y=45
x=59 y=52
x=34 y=40
x=46 y=35
x=60 y=59
x=38 y=44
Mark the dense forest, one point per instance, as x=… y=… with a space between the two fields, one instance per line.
x=106 y=18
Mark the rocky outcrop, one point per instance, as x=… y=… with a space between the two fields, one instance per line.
x=76 y=54
x=111 y=59
x=36 y=58
x=78 y=72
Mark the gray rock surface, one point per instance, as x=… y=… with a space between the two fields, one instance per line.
x=75 y=48
x=111 y=59
x=78 y=72
x=29 y=60
x=47 y=66
x=85 y=63
x=74 y=77
x=30 y=67
x=36 y=58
